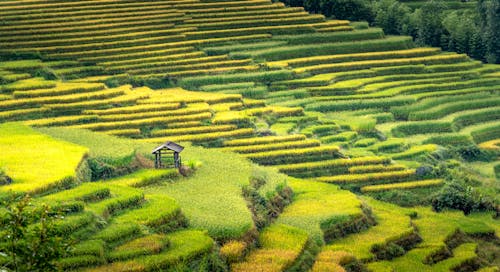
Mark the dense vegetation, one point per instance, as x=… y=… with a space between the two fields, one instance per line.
x=310 y=144
x=473 y=30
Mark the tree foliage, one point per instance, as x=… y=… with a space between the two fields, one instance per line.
x=30 y=242
x=475 y=32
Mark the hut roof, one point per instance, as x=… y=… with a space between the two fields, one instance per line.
x=169 y=145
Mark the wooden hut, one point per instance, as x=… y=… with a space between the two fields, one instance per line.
x=162 y=155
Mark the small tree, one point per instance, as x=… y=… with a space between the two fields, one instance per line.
x=393 y=16
x=30 y=242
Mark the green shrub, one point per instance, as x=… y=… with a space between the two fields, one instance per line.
x=29 y=240
x=456 y=194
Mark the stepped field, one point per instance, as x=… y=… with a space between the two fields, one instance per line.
x=295 y=124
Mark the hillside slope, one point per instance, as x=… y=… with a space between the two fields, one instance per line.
x=333 y=104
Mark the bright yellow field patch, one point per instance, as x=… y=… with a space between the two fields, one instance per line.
x=35 y=161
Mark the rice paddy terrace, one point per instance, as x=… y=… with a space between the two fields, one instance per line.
x=281 y=101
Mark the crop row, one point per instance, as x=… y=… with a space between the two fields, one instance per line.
x=402 y=185
x=403 y=112
x=264 y=140
x=477 y=116
x=414 y=151
x=155 y=121
x=449 y=139
x=170 y=39
x=174 y=61
x=448 y=108
x=384 y=177
x=144 y=45
x=281 y=246
x=61 y=89
x=271 y=147
x=203 y=6
x=243 y=23
x=267 y=76
x=98 y=10
x=486 y=132
x=308 y=50
x=329 y=59
x=334 y=37
x=20 y=114
x=237 y=8
x=330 y=167
x=357 y=65
x=368 y=88
x=85 y=105
x=68 y=33
x=135 y=109
x=143 y=115
x=421 y=127
x=213 y=71
x=127 y=132
x=18 y=8
x=359 y=169
x=63 y=41
x=192 y=130
x=62 y=120
x=440 y=87
x=185 y=246
x=28 y=84
x=227 y=17
x=183 y=68
x=279 y=29
x=275 y=8
x=206 y=137
x=38 y=101
x=359 y=104
x=153 y=54
x=128 y=21
x=294 y=155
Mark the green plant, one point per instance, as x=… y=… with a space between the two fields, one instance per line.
x=456 y=194
x=30 y=241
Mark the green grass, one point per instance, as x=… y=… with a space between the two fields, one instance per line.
x=185 y=246
x=212 y=193
x=35 y=161
x=102 y=146
x=435 y=228
x=392 y=223
x=280 y=246
x=316 y=205
x=147 y=245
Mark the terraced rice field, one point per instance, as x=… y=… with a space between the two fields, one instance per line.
x=283 y=101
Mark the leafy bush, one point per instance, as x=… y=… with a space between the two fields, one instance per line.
x=30 y=242
x=456 y=194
